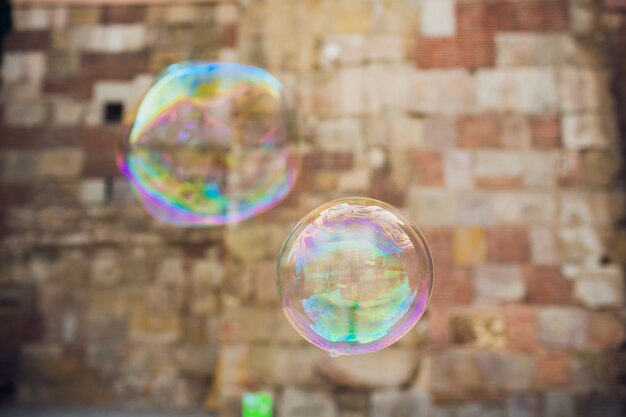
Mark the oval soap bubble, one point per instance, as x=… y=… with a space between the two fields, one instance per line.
x=354 y=276
x=210 y=145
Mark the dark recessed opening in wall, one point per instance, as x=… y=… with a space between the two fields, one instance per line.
x=113 y=112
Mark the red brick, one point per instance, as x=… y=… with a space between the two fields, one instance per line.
x=13 y=195
x=19 y=137
x=477 y=23
x=606 y=330
x=439 y=334
x=115 y=66
x=315 y=161
x=546 y=285
x=479 y=132
x=509 y=244
x=27 y=40
x=381 y=188
x=453 y=286
x=531 y=15
x=553 y=370
x=429 y=167
x=546 y=132
x=472 y=47
x=100 y=144
x=440 y=242
x=81 y=87
x=229 y=35
x=123 y=14
x=521 y=327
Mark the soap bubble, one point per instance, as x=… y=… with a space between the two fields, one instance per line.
x=354 y=276
x=210 y=145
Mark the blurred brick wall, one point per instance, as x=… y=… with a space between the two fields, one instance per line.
x=492 y=123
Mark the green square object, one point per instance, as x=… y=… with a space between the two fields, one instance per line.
x=257 y=404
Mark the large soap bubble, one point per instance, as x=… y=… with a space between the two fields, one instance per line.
x=210 y=145
x=354 y=276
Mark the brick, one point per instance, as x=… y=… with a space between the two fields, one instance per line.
x=458 y=170
x=39 y=18
x=392 y=403
x=479 y=132
x=340 y=135
x=558 y=403
x=361 y=371
x=587 y=130
x=521 y=327
x=543 y=246
x=580 y=243
x=432 y=206
x=445 y=92
x=524 y=90
x=509 y=244
x=606 y=329
x=80 y=87
x=600 y=167
x=499 y=169
x=60 y=163
x=516 y=132
x=439 y=335
x=583 y=89
x=110 y=38
x=470 y=246
x=25 y=113
x=162 y=327
x=327 y=161
x=561 y=327
x=540 y=170
x=533 y=49
x=122 y=14
x=455 y=375
x=440 y=242
x=546 y=131
x=438 y=18
x=107 y=66
x=472 y=47
x=479 y=329
x=298 y=403
x=428 y=166
x=523 y=208
x=455 y=285
x=553 y=370
x=23 y=67
x=474 y=209
x=93 y=191
x=546 y=285
x=600 y=288
x=31 y=40
x=100 y=154
x=499 y=283
x=440 y=133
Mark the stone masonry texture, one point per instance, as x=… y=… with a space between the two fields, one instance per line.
x=497 y=125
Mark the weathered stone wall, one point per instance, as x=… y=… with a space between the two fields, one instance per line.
x=490 y=122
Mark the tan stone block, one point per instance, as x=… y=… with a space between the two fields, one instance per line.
x=499 y=283
x=601 y=287
x=60 y=162
x=524 y=207
x=83 y=16
x=432 y=206
x=470 y=246
x=155 y=327
x=526 y=90
x=350 y=17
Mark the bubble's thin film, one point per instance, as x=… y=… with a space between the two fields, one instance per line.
x=354 y=276
x=210 y=145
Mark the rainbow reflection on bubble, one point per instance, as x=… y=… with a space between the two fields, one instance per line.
x=210 y=145
x=354 y=276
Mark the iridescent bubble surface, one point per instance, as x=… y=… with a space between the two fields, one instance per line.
x=210 y=145
x=354 y=276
